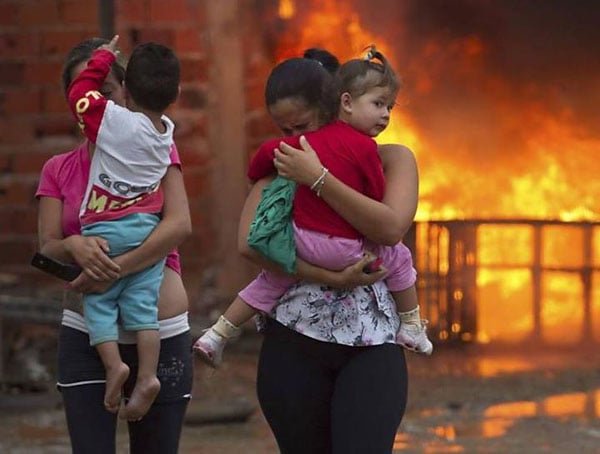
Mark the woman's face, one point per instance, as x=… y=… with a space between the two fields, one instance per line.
x=294 y=117
x=111 y=89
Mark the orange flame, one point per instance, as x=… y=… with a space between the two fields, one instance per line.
x=499 y=153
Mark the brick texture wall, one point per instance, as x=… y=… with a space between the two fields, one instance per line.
x=35 y=35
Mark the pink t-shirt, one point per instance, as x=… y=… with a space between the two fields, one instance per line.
x=65 y=177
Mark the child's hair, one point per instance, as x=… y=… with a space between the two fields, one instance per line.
x=326 y=58
x=83 y=52
x=152 y=76
x=360 y=75
x=306 y=80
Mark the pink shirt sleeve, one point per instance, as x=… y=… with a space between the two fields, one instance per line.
x=173 y=259
x=64 y=178
x=175 y=159
x=48 y=186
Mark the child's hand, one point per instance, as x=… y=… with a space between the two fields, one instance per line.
x=111 y=46
x=355 y=275
x=90 y=253
x=302 y=166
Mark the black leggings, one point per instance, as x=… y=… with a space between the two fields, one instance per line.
x=323 y=398
x=91 y=427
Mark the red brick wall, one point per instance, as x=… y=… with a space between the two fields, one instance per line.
x=35 y=35
x=34 y=124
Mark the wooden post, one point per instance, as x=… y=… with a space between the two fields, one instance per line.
x=469 y=304
x=586 y=279
x=1 y=350
x=536 y=281
x=227 y=139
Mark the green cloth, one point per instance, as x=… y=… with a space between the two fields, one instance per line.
x=271 y=231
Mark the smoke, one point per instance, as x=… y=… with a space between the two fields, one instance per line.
x=486 y=61
x=506 y=97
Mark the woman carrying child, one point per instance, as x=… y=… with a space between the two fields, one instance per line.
x=81 y=376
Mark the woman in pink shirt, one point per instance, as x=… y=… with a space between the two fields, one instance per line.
x=81 y=377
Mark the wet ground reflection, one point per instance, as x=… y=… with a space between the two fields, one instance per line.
x=498 y=419
x=461 y=400
x=487 y=400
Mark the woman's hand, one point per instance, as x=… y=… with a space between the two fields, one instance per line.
x=85 y=284
x=302 y=166
x=90 y=253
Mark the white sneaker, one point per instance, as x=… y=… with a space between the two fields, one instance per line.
x=413 y=337
x=210 y=348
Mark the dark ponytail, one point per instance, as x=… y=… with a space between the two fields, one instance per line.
x=326 y=58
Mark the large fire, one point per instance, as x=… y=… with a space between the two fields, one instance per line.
x=492 y=142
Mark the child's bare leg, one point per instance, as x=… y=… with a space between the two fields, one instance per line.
x=406 y=300
x=116 y=374
x=147 y=384
x=211 y=344
x=411 y=333
x=239 y=312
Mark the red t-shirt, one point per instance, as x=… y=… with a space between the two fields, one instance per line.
x=349 y=154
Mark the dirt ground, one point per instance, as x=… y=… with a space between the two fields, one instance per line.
x=467 y=399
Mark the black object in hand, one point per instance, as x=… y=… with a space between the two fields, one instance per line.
x=64 y=271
